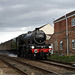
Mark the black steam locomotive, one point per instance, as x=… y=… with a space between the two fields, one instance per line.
x=32 y=45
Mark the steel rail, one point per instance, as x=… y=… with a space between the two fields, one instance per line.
x=66 y=63
x=68 y=67
x=14 y=67
x=33 y=67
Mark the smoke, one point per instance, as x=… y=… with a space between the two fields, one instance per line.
x=12 y=55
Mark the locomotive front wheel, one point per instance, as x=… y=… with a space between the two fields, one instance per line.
x=45 y=56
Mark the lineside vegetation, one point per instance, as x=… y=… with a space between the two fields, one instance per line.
x=63 y=58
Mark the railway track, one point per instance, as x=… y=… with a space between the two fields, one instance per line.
x=12 y=65
x=11 y=62
x=65 y=65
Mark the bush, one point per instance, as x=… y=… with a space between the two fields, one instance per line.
x=62 y=58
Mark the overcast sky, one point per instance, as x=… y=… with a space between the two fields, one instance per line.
x=20 y=16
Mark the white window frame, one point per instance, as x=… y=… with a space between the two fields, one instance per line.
x=73 y=44
x=61 y=45
x=73 y=22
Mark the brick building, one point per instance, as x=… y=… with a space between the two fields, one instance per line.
x=63 y=39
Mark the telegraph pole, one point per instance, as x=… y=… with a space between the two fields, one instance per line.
x=67 y=34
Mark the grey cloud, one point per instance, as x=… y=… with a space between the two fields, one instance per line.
x=20 y=16
x=20 y=13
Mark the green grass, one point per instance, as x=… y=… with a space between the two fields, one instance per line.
x=62 y=58
x=24 y=70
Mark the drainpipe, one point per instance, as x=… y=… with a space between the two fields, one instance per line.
x=67 y=35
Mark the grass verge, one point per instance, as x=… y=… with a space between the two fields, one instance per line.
x=62 y=58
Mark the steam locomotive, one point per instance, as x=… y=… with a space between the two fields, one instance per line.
x=32 y=45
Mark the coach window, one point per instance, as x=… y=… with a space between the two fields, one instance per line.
x=73 y=22
x=61 y=45
x=73 y=44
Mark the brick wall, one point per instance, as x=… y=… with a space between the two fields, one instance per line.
x=60 y=35
x=61 y=25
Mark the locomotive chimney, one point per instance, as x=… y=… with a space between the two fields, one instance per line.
x=36 y=29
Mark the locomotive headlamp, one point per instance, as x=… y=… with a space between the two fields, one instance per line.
x=32 y=47
x=49 y=50
x=49 y=46
x=35 y=51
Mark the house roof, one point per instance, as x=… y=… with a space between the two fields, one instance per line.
x=48 y=29
x=67 y=15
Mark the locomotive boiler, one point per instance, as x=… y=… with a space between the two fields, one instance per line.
x=32 y=45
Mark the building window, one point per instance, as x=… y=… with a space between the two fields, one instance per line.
x=73 y=22
x=73 y=44
x=61 y=45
